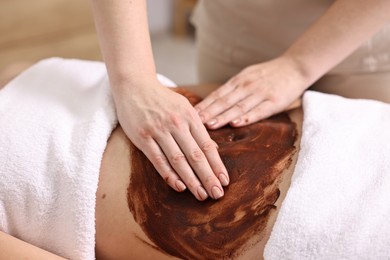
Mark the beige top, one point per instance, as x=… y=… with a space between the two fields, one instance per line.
x=258 y=30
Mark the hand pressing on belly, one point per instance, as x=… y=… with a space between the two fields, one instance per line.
x=167 y=129
x=257 y=92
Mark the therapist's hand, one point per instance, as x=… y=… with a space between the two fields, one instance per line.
x=257 y=92
x=168 y=130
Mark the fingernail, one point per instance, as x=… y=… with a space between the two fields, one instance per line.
x=222 y=178
x=180 y=185
x=236 y=121
x=217 y=192
x=202 y=194
x=212 y=122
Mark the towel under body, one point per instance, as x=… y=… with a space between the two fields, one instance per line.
x=55 y=120
x=338 y=204
x=56 y=117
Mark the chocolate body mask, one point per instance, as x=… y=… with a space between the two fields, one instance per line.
x=178 y=224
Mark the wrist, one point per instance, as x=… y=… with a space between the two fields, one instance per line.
x=129 y=74
x=295 y=72
x=128 y=86
x=307 y=73
x=123 y=82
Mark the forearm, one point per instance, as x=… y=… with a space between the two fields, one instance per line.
x=122 y=29
x=340 y=31
x=13 y=248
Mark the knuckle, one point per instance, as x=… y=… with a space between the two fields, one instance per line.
x=196 y=155
x=246 y=85
x=180 y=121
x=209 y=145
x=178 y=158
x=148 y=130
x=144 y=132
x=205 y=115
x=225 y=102
x=175 y=120
x=166 y=177
x=249 y=83
x=160 y=161
x=241 y=107
x=158 y=126
x=209 y=181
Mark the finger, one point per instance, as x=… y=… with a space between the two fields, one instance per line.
x=161 y=164
x=222 y=105
x=210 y=149
x=203 y=107
x=179 y=163
x=233 y=115
x=260 y=112
x=216 y=94
x=198 y=161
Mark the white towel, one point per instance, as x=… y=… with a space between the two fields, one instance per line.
x=55 y=119
x=338 y=205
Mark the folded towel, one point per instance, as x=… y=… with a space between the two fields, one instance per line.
x=55 y=119
x=338 y=205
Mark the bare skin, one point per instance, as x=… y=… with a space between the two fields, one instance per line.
x=170 y=132
x=118 y=236
x=161 y=123
x=267 y=88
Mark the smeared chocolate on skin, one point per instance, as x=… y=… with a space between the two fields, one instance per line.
x=255 y=157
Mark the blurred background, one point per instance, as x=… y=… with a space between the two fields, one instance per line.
x=33 y=30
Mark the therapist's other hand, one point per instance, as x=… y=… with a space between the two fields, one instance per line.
x=257 y=92
x=168 y=130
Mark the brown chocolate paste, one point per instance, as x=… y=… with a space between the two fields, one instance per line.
x=255 y=157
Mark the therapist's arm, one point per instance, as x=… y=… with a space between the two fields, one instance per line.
x=264 y=89
x=160 y=122
x=340 y=31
